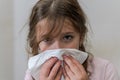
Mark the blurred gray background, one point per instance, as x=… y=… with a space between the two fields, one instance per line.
x=103 y=16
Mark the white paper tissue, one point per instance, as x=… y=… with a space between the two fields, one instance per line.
x=35 y=62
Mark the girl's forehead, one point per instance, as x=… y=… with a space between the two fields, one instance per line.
x=43 y=26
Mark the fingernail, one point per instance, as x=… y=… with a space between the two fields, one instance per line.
x=59 y=61
x=65 y=56
x=54 y=58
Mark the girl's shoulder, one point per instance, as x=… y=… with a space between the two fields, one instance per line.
x=100 y=61
x=102 y=69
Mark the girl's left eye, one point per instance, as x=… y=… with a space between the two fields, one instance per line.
x=68 y=37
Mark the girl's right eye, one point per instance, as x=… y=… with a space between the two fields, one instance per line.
x=47 y=40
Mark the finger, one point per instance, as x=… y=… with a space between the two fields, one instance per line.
x=73 y=67
x=68 y=71
x=65 y=74
x=54 y=70
x=59 y=75
x=46 y=67
x=80 y=66
x=74 y=60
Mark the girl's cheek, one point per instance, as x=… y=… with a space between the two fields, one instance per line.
x=42 y=47
x=74 y=44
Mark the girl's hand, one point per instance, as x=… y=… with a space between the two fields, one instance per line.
x=73 y=70
x=51 y=70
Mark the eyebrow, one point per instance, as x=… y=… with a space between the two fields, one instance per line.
x=68 y=33
x=47 y=35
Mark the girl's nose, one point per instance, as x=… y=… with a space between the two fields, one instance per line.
x=56 y=45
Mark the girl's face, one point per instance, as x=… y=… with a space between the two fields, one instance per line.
x=67 y=38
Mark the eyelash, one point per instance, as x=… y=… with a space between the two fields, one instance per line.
x=65 y=38
x=68 y=38
x=47 y=39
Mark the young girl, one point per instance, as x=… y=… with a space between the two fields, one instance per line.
x=57 y=24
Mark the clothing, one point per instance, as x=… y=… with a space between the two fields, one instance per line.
x=98 y=68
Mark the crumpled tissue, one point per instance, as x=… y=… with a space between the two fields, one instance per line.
x=35 y=62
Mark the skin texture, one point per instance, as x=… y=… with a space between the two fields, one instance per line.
x=67 y=38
